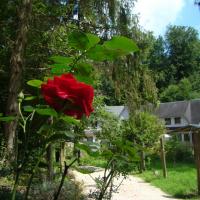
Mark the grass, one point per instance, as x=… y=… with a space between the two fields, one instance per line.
x=97 y=161
x=180 y=183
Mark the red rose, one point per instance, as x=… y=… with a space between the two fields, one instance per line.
x=65 y=94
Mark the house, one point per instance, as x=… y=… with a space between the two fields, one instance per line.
x=178 y=116
x=119 y=111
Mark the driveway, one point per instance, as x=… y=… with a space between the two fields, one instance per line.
x=131 y=188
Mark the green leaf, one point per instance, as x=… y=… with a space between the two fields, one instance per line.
x=28 y=109
x=101 y=53
x=47 y=111
x=107 y=153
x=93 y=40
x=44 y=128
x=122 y=44
x=59 y=69
x=84 y=79
x=58 y=137
x=1 y=114
x=84 y=69
x=78 y=40
x=61 y=60
x=7 y=118
x=87 y=149
x=70 y=120
x=30 y=98
x=35 y=83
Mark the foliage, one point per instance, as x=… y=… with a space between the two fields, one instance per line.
x=93 y=161
x=178 y=151
x=71 y=191
x=145 y=129
x=118 y=153
x=177 y=92
x=85 y=48
x=175 y=58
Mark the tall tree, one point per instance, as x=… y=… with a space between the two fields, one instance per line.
x=16 y=68
x=182 y=50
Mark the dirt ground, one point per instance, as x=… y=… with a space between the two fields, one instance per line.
x=132 y=188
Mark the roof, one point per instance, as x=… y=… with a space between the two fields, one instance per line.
x=116 y=110
x=190 y=110
x=172 y=109
x=195 y=111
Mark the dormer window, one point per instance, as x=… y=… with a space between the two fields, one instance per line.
x=167 y=121
x=177 y=120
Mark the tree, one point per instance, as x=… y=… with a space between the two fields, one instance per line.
x=179 y=92
x=182 y=45
x=144 y=129
x=158 y=63
x=175 y=56
x=17 y=63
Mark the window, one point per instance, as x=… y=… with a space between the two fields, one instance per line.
x=177 y=120
x=90 y=139
x=186 y=137
x=167 y=121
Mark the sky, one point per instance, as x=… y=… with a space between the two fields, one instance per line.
x=156 y=15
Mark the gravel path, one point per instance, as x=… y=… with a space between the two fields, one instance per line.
x=132 y=188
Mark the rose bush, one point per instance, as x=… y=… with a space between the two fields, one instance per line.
x=65 y=94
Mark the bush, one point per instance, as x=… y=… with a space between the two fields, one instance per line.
x=178 y=151
x=91 y=161
x=70 y=191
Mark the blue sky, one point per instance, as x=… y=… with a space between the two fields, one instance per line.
x=156 y=15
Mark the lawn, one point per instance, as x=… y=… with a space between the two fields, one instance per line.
x=180 y=183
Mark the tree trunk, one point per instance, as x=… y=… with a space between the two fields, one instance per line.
x=16 y=68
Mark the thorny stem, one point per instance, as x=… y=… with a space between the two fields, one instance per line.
x=63 y=178
x=33 y=172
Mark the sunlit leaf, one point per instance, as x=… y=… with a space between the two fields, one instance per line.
x=30 y=98
x=7 y=118
x=47 y=111
x=70 y=120
x=87 y=149
x=101 y=53
x=58 y=137
x=78 y=40
x=93 y=40
x=61 y=60
x=28 y=109
x=35 y=83
x=122 y=44
x=59 y=69
x=84 y=69
x=84 y=79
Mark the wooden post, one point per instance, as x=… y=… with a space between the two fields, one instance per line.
x=50 y=162
x=50 y=155
x=62 y=156
x=162 y=155
x=142 y=160
x=196 y=143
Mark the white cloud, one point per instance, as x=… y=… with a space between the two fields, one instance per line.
x=155 y=15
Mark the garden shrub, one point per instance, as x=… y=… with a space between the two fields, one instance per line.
x=177 y=151
x=71 y=190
